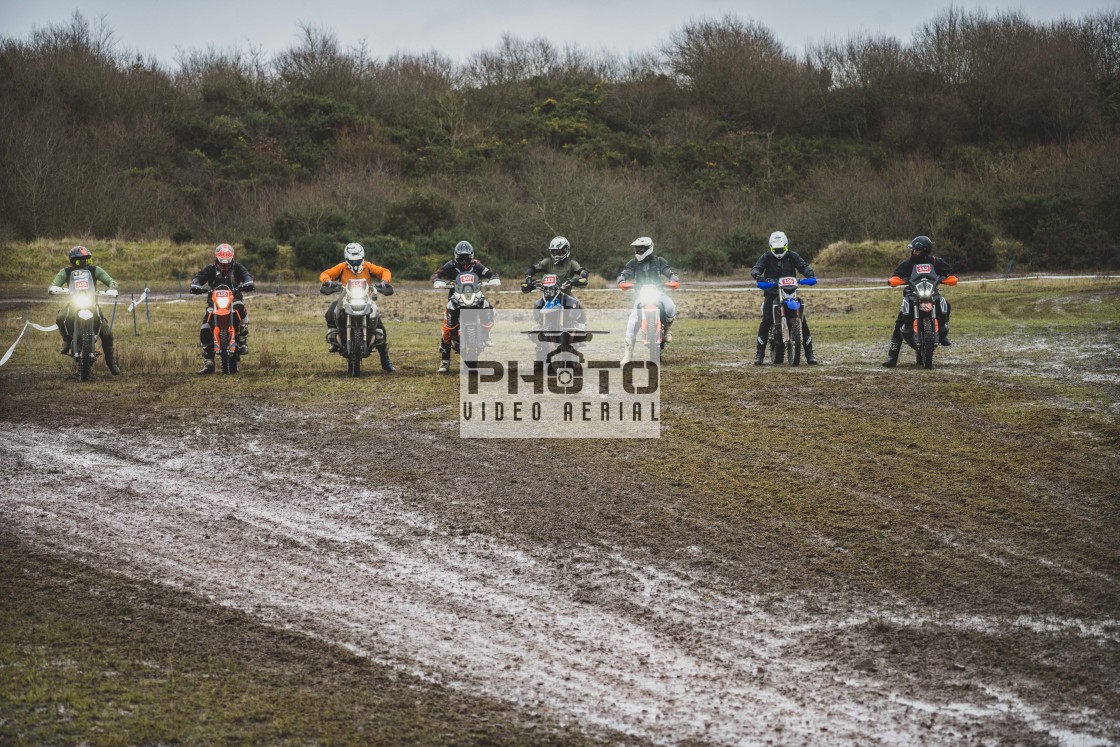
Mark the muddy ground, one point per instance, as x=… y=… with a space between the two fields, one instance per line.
x=839 y=554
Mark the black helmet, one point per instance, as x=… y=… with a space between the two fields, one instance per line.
x=464 y=254
x=80 y=257
x=920 y=245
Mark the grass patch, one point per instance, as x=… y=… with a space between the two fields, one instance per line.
x=982 y=487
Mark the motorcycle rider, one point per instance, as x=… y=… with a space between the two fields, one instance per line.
x=354 y=265
x=921 y=252
x=779 y=262
x=647 y=269
x=569 y=274
x=463 y=261
x=82 y=258
x=224 y=271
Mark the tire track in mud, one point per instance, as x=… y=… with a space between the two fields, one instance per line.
x=659 y=654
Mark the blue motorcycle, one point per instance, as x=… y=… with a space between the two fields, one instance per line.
x=784 y=340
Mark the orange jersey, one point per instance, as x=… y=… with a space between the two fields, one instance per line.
x=342 y=272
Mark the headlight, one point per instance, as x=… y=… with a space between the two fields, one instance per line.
x=649 y=295
x=85 y=314
x=83 y=302
x=924 y=289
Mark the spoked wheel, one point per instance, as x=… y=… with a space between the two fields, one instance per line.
x=228 y=366
x=793 y=347
x=653 y=338
x=470 y=343
x=929 y=342
x=777 y=339
x=85 y=357
x=354 y=350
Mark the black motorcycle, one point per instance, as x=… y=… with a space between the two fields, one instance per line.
x=85 y=317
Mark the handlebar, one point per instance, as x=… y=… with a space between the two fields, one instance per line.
x=56 y=290
x=669 y=285
x=768 y=284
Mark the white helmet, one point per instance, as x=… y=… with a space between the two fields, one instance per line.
x=355 y=255
x=643 y=247
x=779 y=244
x=560 y=249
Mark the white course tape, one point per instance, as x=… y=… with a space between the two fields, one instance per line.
x=138 y=301
x=39 y=327
x=884 y=286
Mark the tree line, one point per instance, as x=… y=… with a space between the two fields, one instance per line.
x=981 y=129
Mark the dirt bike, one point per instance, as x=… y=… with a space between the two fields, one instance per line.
x=359 y=309
x=784 y=340
x=468 y=295
x=224 y=321
x=649 y=306
x=86 y=319
x=553 y=319
x=923 y=330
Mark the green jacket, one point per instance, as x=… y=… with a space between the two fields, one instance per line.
x=564 y=270
x=62 y=279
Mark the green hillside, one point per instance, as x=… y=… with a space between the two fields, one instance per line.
x=983 y=131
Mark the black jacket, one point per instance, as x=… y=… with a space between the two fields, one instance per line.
x=906 y=266
x=650 y=271
x=450 y=270
x=769 y=267
x=238 y=278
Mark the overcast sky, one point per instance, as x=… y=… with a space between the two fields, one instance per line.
x=458 y=29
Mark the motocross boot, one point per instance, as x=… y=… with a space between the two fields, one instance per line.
x=627 y=351
x=666 y=331
x=943 y=335
x=892 y=353
x=243 y=337
x=759 y=353
x=66 y=341
x=207 y=361
x=386 y=364
x=444 y=357
x=332 y=340
x=809 y=357
x=110 y=357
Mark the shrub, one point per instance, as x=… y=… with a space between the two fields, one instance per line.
x=181 y=235
x=259 y=255
x=743 y=247
x=402 y=258
x=317 y=251
x=421 y=212
x=709 y=260
x=863 y=259
x=266 y=250
x=968 y=243
x=309 y=221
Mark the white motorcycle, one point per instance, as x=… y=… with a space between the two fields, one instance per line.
x=358 y=309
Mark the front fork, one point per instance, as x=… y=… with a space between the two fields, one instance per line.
x=224 y=322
